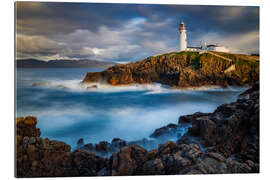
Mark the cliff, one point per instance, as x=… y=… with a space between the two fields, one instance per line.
x=183 y=69
x=225 y=141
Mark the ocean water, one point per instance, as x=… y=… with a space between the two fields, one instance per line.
x=67 y=111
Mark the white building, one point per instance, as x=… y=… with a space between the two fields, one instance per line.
x=183 y=37
x=205 y=47
x=215 y=47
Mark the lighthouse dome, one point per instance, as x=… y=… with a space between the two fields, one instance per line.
x=182 y=26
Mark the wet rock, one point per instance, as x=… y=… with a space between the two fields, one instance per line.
x=226 y=141
x=167 y=148
x=27 y=127
x=90 y=147
x=191 y=118
x=226 y=110
x=174 y=163
x=42 y=83
x=59 y=146
x=164 y=131
x=104 y=172
x=128 y=160
x=146 y=143
x=39 y=157
x=211 y=166
x=102 y=147
x=88 y=162
x=92 y=87
x=237 y=167
x=152 y=154
x=80 y=142
x=217 y=156
x=117 y=144
x=93 y=77
x=191 y=151
x=206 y=128
x=153 y=167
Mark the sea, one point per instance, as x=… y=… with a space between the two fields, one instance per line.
x=68 y=111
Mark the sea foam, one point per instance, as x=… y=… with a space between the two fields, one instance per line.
x=75 y=85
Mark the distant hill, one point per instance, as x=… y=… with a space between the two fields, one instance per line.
x=35 y=63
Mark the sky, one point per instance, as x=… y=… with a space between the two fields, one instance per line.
x=128 y=32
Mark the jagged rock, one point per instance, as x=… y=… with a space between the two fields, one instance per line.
x=118 y=143
x=190 y=118
x=184 y=69
x=95 y=77
x=80 y=142
x=212 y=166
x=153 y=167
x=144 y=143
x=152 y=154
x=191 y=151
x=27 y=127
x=225 y=141
x=164 y=131
x=204 y=127
x=88 y=163
x=92 y=87
x=167 y=148
x=102 y=147
x=174 y=163
x=39 y=157
x=128 y=160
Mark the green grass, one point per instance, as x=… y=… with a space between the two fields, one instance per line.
x=195 y=59
x=186 y=53
x=251 y=64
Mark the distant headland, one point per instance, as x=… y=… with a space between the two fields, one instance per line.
x=87 y=63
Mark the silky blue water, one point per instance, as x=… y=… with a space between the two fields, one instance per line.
x=66 y=111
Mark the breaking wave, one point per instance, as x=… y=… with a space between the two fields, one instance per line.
x=154 y=88
x=68 y=111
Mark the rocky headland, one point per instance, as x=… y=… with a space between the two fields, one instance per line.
x=225 y=141
x=183 y=69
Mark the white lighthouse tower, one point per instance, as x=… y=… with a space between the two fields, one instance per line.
x=183 y=36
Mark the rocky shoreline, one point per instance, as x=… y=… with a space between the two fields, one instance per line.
x=182 y=70
x=225 y=141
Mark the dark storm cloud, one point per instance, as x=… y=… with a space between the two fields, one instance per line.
x=51 y=18
x=125 y=32
x=228 y=19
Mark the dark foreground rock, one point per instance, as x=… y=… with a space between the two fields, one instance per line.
x=225 y=141
x=41 y=157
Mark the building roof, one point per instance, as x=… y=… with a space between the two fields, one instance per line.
x=182 y=26
x=212 y=45
x=194 y=47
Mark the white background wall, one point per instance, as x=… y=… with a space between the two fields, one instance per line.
x=7 y=91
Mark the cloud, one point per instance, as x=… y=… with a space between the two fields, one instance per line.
x=240 y=43
x=36 y=44
x=127 y=32
x=129 y=42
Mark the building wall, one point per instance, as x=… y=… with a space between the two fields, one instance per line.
x=218 y=48
x=183 y=40
x=192 y=49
